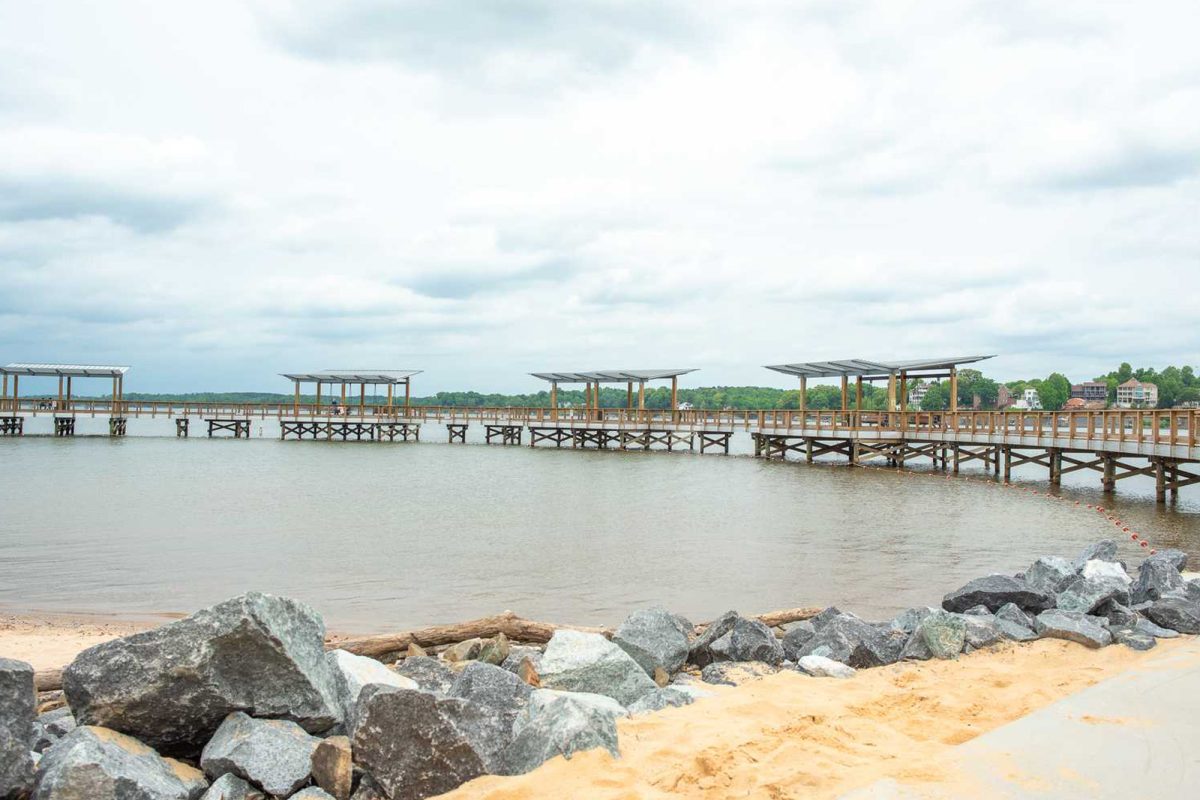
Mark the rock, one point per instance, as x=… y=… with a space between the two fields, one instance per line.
x=541 y=698
x=172 y=686
x=51 y=726
x=995 y=591
x=821 y=667
x=94 y=763
x=1117 y=614
x=943 y=634
x=731 y=673
x=18 y=702
x=1157 y=631
x=978 y=611
x=463 y=651
x=1133 y=638
x=1014 y=631
x=273 y=754
x=520 y=653
x=1073 y=626
x=416 y=744
x=848 y=639
x=1157 y=578
x=333 y=766
x=700 y=652
x=1012 y=613
x=414 y=650
x=1175 y=614
x=915 y=648
x=495 y=650
x=980 y=631
x=312 y=793
x=430 y=674
x=661 y=677
x=1176 y=558
x=827 y=614
x=529 y=675
x=1084 y=594
x=231 y=787
x=351 y=673
x=667 y=697
x=652 y=637
x=1097 y=568
x=1048 y=573
x=1104 y=550
x=748 y=640
x=560 y=728
x=368 y=790
x=587 y=662
x=496 y=688
x=796 y=637
x=908 y=620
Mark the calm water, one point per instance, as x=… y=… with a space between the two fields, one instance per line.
x=386 y=536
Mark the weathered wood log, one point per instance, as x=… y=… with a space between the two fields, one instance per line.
x=47 y=680
x=508 y=623
x=512 y=626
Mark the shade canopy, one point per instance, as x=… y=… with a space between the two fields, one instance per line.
x=64 y=370
x=612 y=375
x=862 y=367
x=353 y=376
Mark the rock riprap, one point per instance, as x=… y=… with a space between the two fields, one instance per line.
x=1048 y=573
x=654 y=638
x=172 y=686
x=275 y=755
x=92 y=762
x=17 y=706
x=51 y=726
x=333 y=766
x=560 y=728
x=1073 y=626
x=430 y=674
x=853 y=642
x=352 y=672
x=748 y=640
x=821 y=667
x=587 y=662
x=995 y=591
x=1175 y=613
x=231 y=787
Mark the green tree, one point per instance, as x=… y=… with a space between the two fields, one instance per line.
x=1055 y=391
x=937 y=397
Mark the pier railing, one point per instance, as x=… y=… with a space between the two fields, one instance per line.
x=1158 y=426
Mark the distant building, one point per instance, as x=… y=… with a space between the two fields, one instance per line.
x=918 y=394
x=1090 y=391
x=1004 y=397
x=685 y=406
x=1135 y=394
x=1075 y=404
x=1030 y=400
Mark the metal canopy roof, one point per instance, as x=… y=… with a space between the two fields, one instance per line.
x=64 y=370
x=353 y=375
x=860 y=366
x=611 y=375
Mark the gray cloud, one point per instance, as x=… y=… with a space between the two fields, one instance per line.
x=1134 y=166
x=459 y=284
x=141 y=209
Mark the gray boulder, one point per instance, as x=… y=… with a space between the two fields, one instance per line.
x=943 y=634
x=518 y=653
x=497 y=689
x=666 y=697
x=172 y=686
x=978 y=611
x=980 y=631
x=821 y=667
x=915 y=649
x=273 y=754
x=231 y=787
x=560 y=728
x=352 y=672
x=1104 y=550
x=1084 y=594
x=731 y=673
x=1176 y=558
x=51 y=726
x=416 y=744
x=368 y=790
x=1157 y=631
x=748 y=640
x=850 y=640
x=587 y=662
x=1097 y=568
x=908 y=620
x=1157 y=578
x=995 y=591
x=1010 y=612
x=653 y=638
x=17 y=706
x=1048 y=573
x=1133 y=638
x=430 y=674
x=797 y=635
x=540 y=698
x=95 y=763
x=700 y=652
x=1074 y=626
x=1175 y=613
x=1117 y=614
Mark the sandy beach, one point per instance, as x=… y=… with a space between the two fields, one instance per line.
x=791 y=736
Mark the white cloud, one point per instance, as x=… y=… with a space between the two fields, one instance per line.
x=234 y=190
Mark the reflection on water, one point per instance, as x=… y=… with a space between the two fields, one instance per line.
x=386 y=536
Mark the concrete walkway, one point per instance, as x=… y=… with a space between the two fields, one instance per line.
x=1136 y=735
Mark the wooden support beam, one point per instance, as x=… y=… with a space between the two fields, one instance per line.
x=891 y=392
x=641 y=395
x=675 y=393
x=407 y=394
x=858 y=395
x=391 y=396
x=296 y=398
x=954 y=389
x=845 y=393
x=803 y=396
x=318 y=396
x=629 y=396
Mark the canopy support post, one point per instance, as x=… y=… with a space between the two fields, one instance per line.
x=858 y=394
x=674 y=393
x=803 y=394
x=845 y=393
x=954 y=388
x=407 y=395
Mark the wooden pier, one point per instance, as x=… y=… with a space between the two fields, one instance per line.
x=456 y=432
x=240 y=428
x=348 y=430
x=504 y=433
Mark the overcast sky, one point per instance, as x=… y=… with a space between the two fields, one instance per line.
x=217 y=192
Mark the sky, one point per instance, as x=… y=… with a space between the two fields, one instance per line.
x=218 y=192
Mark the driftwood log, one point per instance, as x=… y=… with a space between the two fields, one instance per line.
x=514 y=627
